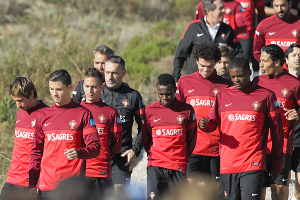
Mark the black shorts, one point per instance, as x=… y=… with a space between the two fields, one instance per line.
x=246 y=185
x=295 y=163
x=120 y=173
x=10 y=191
x=282 y=179
x=205 y=165
x=162 y=180
x=100 y=185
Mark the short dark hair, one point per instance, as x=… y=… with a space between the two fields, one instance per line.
x=166 y=79
x=239 y=62
x=287 y=1
x=208 y=4
x=291 y=49
x=116 y=59
x=61 y=75
x=275 y=52
x=93 y=72
x=22 y=86
x=206 y=50
x=104 y=50
x=226 y=51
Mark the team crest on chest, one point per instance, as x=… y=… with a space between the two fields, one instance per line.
x=295 y=33
x=101 y=118
x=255 y=105
x=33 y=123
x=284 y=92
x=125 y=103
x=180 y=119
x=223 y=36
x=72 y=123
x=152 y=195
x=215 y=91
x=227 y=11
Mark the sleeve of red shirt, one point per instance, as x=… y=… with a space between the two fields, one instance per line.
x=276 y=129
x=199 y=12
x=213 y=117
x=191 y=134
x=146 y=133
x=240 y=18
x=36 y=153
x=90 y=137
x=115 y=134
x=260 y=6
x=179 y=92
x=138 y=146
x=259 y=41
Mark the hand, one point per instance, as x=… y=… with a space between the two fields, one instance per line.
x=202 y=123
x=131 y=157
x=32 y=192
x=274 y=174
x=291 y=114
x=71 y=153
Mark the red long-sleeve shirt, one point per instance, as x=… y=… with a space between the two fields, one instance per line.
x=246 y=117
x=234 y=16
x=286 y=88
x=108 y=123
x=274 y=30
x=24 y=132
x=59 y=128
x=200 y=93
x=169 y=134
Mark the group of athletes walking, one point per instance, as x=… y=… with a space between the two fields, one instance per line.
x=214 y=121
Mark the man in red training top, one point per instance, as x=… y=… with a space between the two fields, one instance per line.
x=65 y=135
x=107 y=120
x=23 y=92
x=286 y=88
x=282 y=29
x=199 y=90
x=245 y=112
x=169 y=138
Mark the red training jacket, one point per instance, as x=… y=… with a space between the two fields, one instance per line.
x=59 y=128
x=286 y=88
x=24 y=132
x=274 y=30
x=245 y=117
x=200 y=93
x=108 y=123
x=169 y=135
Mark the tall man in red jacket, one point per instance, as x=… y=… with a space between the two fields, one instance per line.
x=199 y=90
x=244 y=133
x=282 y=29
x=108 y=123
x=169 y=138
x=286 y=88
x=65 y=135
x=23 y=92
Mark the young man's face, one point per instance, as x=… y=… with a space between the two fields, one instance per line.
x=206 y=67
x=60 y=93
x=282 y=8
x=23 y=102
x=99 y=61
x=268 y=67
x=113 y=75
x=222 y=66
x=92 y=89
x=166 y=94
x=240 y=78
x=293 y=59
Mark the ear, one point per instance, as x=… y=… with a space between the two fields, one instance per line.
x=31 y=94
x=123 y=72
x=286 y=60
x=70 y=87
x=277 y=63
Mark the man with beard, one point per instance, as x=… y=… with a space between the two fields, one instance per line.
x=222 y=66
x=101 y=54
x=282 y=29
